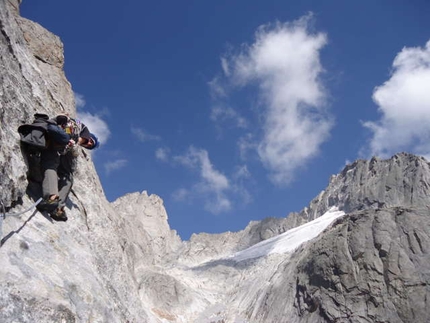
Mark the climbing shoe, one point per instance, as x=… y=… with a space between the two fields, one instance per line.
x=59 y=215
x=48 y=205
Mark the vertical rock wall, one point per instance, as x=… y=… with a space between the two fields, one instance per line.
x=31 y=80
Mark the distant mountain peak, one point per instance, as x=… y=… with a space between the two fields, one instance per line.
x=402 y=180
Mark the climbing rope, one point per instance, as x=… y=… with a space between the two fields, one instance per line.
x=19 y=213
x=3 y=214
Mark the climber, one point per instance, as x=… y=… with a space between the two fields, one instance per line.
x=65 y=172
x=58 y=163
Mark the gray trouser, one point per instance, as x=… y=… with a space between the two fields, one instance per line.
x=49 y=162
x=57 y=175
x=65 y=184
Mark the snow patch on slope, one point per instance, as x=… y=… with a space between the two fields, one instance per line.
x=290 y=240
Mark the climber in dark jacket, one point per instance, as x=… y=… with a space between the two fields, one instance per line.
x=58 y=163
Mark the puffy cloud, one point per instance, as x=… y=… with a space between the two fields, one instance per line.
x=94 y=122
x=143 y=136
x=241 y=176
x=80 y=101
x=225 y=66
x=180 y=194
x=96 y=125
x=162 y=154
x=212 y=186
x=242 y=172
x=284 y=63
x=217 y=89
x=220 y=112
x=404 y=103
x=199 y=159
x=246 y=144
x=115 y=165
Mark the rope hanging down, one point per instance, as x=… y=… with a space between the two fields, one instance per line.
x=3 y=214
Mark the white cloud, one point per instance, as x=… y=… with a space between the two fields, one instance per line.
x=96 y=125
x=199 y=159
x=284 y=62
x=404 y=104
x=80 y=101
x=220 y=203
x=212 y=186
x=94 y=122
x=217 y=89
x=242 y=172
x=241 y=176
x=143 y=136
x=162 y=154
x=180 y=194
x=115 y=165
x=246 y=144
x=225 y=66
x=220 y=112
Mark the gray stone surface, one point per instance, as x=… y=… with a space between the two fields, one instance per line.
x=27 y=85
x=121 y=262
x=402 y=180
x=373 y=266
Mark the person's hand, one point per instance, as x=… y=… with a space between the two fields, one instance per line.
x=71 y=143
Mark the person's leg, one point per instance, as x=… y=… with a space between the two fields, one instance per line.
x=32 y=161
x=65 y=184
x=49 y=162
x=67 y=163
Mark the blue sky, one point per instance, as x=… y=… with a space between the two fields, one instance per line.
x=233 y=111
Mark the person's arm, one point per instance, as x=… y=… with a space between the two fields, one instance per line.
x=58 y=135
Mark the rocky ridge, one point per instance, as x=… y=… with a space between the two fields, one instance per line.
x=121 y=262
x=402 y=180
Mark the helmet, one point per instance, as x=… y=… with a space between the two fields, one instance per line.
x=95 y=140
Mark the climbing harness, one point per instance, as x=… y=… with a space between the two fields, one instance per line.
x=3 y=214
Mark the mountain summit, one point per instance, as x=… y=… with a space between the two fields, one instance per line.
x=358 y=253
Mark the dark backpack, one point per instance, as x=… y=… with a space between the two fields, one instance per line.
x=43 y=133
x=33 y=139
x=36 y=137
x=35 y=134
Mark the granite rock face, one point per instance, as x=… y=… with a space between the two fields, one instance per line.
x=31 y=80
x=369 y=266
x=121 y=262
x=403 y=180
x=373 y=266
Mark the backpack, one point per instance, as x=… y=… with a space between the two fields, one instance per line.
x=34 y=135
x=43 y=133
x=33 y=139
